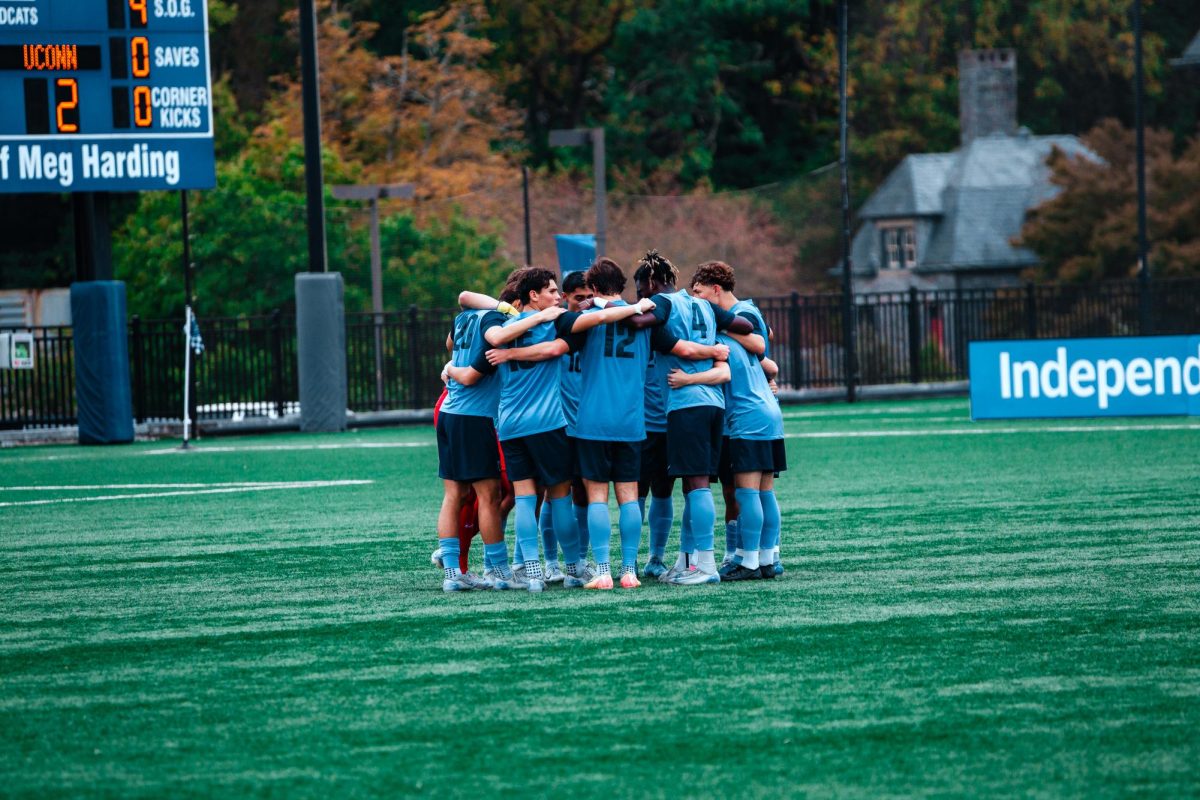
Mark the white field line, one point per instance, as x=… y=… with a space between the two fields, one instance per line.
x=988 y=431
x=264 y=487
x=111 y=486
x=281 y=447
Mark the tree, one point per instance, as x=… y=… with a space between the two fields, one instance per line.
x=1089 y=231
x=431 y=115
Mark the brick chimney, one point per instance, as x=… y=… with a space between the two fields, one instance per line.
x=987 y=93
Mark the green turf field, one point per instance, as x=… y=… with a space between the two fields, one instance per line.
x=969 y=609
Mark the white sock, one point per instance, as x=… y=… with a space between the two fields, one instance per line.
x=774 y=555
x=766 y=556
x=749 y=560
x=681 y=563
x=706 y=560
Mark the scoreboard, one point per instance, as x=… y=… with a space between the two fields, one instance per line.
x=105 y=96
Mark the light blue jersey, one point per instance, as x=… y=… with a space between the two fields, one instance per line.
x=530 y=398
x=483 y=398
x=612 y=405
x=656 y=389
x=691 y=319
x=751 y=410
x=747 y=307
x=570 y=382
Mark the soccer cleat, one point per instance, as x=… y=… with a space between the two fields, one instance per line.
x=435 y=557
x=778 y=567
x=694 y=576
x=458 y=584
x=600 y=582
x=501 y=583
x=629 y=580
x=766 y=572
x=519 y=570
x=554 y=574
x=655 y=568
x=740 y=573
x=670 y=575
x=476 y=581
x=536 y=585
x=727 y=567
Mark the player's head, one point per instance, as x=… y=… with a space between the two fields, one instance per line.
x=509 y=293
x=605 y=277
x=654 y=274
x=537 y=289
x=712 y=280
x=575 y=289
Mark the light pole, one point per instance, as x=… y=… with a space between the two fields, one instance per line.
x=1146 y=325
x=850 y=359
x=575 y=137
x=373 y=193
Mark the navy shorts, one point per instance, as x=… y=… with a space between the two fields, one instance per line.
x=618 y=462
x=467 y=448
x=544 y=457
x=654 y=456
x=757 y=455
x=694 y=441
x=724 y=471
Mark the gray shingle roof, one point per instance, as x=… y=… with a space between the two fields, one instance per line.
x=1191 y=55
x=978 y=196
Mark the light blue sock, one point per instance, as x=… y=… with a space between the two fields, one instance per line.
x=750 y=519
x=662 y=514
x=518 y=551
x=731 y=530
x=564 y=527
x=599 y=531
x=527 y=529
x=687 y=542
x=704 y=517
x=771 y=520
x=549 y=539
x=495 y=556
x=581 y=524
x=629 y=521
x=450 y=553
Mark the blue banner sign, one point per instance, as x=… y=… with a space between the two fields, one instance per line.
x=105 y=96
x=1117 y=377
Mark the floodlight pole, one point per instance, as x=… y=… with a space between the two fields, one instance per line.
x=574 y=137
x=313 y=180
x=525 y=202
x=850 y=349
x=189 y=373
x=1146 y=323
x=373 y=193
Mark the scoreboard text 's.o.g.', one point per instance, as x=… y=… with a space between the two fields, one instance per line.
x=105 y=96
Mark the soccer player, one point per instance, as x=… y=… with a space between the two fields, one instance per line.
x=532 y=425
x=695 y=413
x=754 y=423
x=577 y=292
x=467 y=457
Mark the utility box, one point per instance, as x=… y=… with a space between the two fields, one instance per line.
x=16 y=351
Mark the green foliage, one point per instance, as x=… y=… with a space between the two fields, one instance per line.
x=429 y=264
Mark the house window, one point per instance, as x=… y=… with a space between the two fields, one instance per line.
x=899 y=247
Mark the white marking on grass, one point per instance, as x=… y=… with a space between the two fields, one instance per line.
x=111 y=486
x=283 y=447
x=988 y=431
x=222 y=489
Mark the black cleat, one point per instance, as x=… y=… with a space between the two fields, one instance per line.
x=766 y=572
x=740 y=573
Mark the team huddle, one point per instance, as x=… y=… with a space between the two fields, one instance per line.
x=548 y=406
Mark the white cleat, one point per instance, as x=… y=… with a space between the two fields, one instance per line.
x=694 y=576
x=554 y=574
x=536 y=585
x=458 y=584
x=477 y=582
x=435 y=557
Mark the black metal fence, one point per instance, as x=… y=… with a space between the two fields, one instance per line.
x=248 y=368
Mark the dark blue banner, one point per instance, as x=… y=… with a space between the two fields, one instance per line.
x=1117 y=377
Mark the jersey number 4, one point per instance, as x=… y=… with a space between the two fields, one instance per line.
x=699 y=323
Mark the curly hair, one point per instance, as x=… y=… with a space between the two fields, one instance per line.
x=653 y=266
x=533 y=279
x=605 y=277
x=715 y=273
